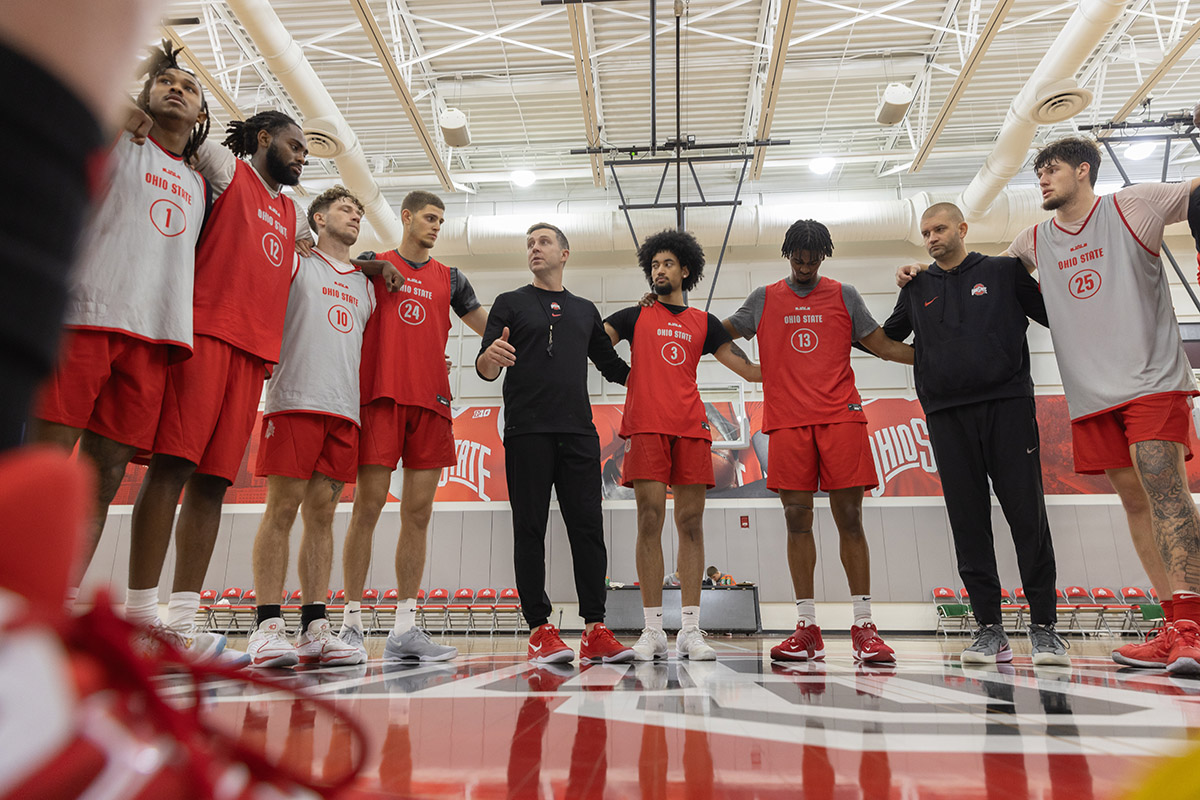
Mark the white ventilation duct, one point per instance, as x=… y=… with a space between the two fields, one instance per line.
x=331 y=135
x=1050 y=95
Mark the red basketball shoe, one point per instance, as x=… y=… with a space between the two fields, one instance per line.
x=1150 y=654
x=1184 y=658
x=869 y=647
x=805 y=644
x=547 y=647
x=600 y=646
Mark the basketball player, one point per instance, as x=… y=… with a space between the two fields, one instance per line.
x=308 y=446
x=970 y=313
x=666 y=432
x=806 y=324
x=544 y=336
x=241 y=288
x=129 y=312
x=405 y=393
x=1125 y=375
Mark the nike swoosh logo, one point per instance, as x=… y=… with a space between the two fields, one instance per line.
x=1030 y=450
x=535 y=647
x=927 y=302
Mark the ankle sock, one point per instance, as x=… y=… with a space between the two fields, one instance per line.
x=141 y=605
x=406 y=616
x=691 y=618
x=654 y=618
x=353 y=615
x=862 y=609
x=181 y=610
x=264 y=613
x=310 y=612
x=806 y=611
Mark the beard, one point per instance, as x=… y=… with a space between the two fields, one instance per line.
x=279 y=170
x=662 y=289
x=1052 y=203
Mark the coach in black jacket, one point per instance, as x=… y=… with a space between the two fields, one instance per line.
x=969 y=312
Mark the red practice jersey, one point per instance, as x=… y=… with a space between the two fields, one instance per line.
x=244 y=266
x=404 y=345
x=804 y=345
x=663 y=396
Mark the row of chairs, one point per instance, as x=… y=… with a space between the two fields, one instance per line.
x=1133 y=610
x=465 y=611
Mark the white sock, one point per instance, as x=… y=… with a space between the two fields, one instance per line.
x=141 y=605
x=69 y=599
x=181 y=610
x=653 y=618
x=352 y=618
x=406 y=616
x=806 y=611
x=862 y=609
x=691 y=618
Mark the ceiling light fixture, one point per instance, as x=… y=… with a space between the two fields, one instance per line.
x=1139 y=150
x=822 y=165
x=523 y=177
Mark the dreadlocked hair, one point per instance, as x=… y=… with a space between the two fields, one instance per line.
x=161 y=59
x=242 y=139
x=810 y=235
x=683 y=245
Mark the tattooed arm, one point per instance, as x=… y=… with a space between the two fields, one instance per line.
x=733 y=357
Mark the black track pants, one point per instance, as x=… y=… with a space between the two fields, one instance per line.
x=533 y=462
x=997 y=438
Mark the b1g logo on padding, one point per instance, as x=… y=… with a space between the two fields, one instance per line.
x=1085 y=284
x=168 y=217
x=674 y=354
x=341 y=319
x=273 y=249
x=412 y=312
x=804 y=340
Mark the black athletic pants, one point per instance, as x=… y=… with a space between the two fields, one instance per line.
x=569 y=462
x=997 y=438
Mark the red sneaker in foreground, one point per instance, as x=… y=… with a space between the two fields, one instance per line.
x=803 y=645
x=600 y=646
x=1184 y=658
x=869 y=647
x=547 y=647
x=1150 y=654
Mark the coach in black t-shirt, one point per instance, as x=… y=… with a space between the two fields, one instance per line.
x=545 y=335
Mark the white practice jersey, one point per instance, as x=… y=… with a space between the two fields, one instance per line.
x=328 y=307
x=1111 y=315
x=138 y=257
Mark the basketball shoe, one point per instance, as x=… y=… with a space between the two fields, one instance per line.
x=868 y=646
x=600 y=646
x=547 y=647
x=269 y=646
x=805 y=644
x=318 y=645
x=1184 y=656
x=1150 y=654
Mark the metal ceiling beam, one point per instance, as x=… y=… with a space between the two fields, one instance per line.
x=576 y=16
x=846 y=23
x=424 y=135
x=1159 y=72
x=211 y=84
x=669 y=27
x=779 y=48
x=990 y=30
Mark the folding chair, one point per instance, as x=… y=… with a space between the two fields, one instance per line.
x=335 y=609
x=1012 y=615
x=949 y=610
x=290 y=608
x=435 y=608
x=458 y=610
x=508 y=611
x=1086 y=609
x=483 y=610
x=203 y=619
x=383 y=609
x=1151 y=612
x=1113 y=608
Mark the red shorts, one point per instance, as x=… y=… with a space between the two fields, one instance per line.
x=674 y=460
x=209 y=407
x=109 y=383
x=298 y=444
x=393 y=434
x=834 y=456
x=1102 y=441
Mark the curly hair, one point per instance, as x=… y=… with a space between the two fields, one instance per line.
x=161 y=59
x=322 y=202
x=810 y=235
x=242 y=138
x=1071 y=151
x=686 y=249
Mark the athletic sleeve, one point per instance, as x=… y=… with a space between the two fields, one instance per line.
x=1147 y=208
x=624 y=321
x=302 y=229
x=746 y=319
x=462 y=296
x=898 y=326
x=604 y=355
x=498 y=317
x=1022 y=247
x=1029 y=295
x=716 y=336
x=217 y=164
x=861 y=321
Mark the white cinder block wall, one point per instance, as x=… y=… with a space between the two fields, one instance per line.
x=471 y=544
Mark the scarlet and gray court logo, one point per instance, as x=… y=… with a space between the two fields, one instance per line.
x=273 y=249
x=804 y=340
x=673 y=354
x=412 y=312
